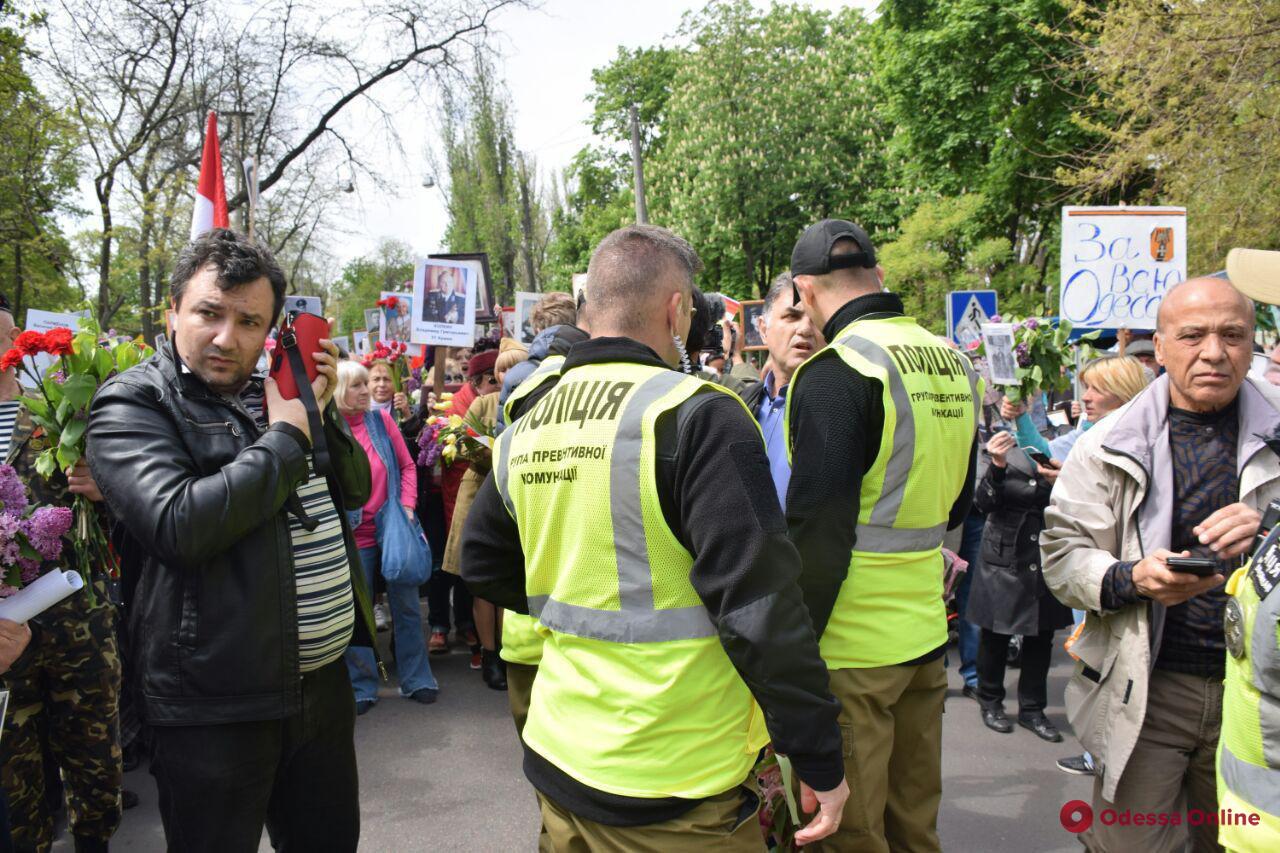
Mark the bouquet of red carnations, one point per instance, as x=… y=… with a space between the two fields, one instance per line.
x=59 y=408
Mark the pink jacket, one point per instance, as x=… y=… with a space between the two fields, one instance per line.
x=366 y=536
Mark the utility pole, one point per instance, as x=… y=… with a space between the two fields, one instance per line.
x=642 y=210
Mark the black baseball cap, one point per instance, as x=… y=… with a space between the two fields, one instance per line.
x=812 y=254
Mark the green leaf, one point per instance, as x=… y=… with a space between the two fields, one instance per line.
x=64 y=410
x=79 y=389
x=72 y=435
x=24 y=548
x=13 y=576
x=36 y=406
x=67 y=456
x=1037 y=375
x=103 y=364
x=45 y=464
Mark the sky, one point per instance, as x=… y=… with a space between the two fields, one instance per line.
x=547 y=58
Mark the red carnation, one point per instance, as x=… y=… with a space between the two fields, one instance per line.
x=392 y=302
x=59 y=342
x=30 y=343
x=10 y=359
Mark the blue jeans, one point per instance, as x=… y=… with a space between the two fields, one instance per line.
x=970 y=552
x=411 y=646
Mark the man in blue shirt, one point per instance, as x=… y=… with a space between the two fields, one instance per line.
x=791 y=338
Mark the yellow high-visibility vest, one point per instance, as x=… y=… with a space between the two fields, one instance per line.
x=890 y=608
x=635 y=695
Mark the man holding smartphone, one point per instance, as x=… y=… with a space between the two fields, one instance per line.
x=1181 y=471
x=242 y=607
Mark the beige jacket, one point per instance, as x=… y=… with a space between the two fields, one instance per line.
x=1113 y=501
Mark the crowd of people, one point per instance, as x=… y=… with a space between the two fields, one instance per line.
x=677 y=563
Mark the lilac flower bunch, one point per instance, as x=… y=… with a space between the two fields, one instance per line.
x=28 y=538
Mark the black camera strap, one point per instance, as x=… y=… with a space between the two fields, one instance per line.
x=315 y=420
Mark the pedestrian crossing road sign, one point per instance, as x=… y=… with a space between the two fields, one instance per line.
x=967 y=310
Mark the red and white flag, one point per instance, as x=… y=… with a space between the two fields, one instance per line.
x=731 y=306
x=210 y=209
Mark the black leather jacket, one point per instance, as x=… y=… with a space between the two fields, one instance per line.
x=201 y=490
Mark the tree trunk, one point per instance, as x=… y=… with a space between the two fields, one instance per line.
x=144 y=265
x=526 y=228
x=18 y=281
x=104 y=253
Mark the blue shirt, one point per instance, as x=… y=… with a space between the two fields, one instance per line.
x=770 y=413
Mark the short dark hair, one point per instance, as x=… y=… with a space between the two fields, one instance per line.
x=237 y=259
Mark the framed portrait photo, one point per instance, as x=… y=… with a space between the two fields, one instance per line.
x=444 y=298
x=752 y=312
x=478 y=263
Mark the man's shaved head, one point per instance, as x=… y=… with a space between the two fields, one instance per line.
x=1196 y=291
x=1204 y=340
x=632 y=273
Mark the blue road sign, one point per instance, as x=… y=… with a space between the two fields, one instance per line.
x=967 y=310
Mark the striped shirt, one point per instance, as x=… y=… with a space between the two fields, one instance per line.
x=8 y=416
x=326 y=606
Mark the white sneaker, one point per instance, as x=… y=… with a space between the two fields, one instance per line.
x=380 y=620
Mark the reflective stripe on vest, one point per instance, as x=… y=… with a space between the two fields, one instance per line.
x=1259 y=786
x=549 y=368
x=636 y=621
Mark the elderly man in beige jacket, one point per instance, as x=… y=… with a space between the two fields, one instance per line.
x=1181 y=470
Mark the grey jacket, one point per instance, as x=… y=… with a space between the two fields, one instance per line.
x=1114 y=501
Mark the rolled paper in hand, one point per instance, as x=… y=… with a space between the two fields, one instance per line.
x=39 y=596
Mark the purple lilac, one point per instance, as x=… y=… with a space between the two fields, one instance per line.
x=13 y=495
x=46 y=527
x=1023 y=354
x=1031 y=323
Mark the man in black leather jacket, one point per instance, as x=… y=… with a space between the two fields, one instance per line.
x=240 y=613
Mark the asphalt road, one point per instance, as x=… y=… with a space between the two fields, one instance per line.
x=447 y=776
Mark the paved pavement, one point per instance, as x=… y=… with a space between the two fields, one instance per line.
x=447 y=776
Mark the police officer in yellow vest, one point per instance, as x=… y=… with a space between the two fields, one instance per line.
x=881 y=425
x=1248 y=757
x=630 y=511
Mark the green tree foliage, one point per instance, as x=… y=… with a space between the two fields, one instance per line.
x=598 y=190
x=1188 y=111
x=38 y=171
x=494 y=203
x=769 y=127
x=941 y=247
x=363 y=279
x=982 y=94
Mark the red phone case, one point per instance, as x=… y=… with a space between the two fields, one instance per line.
x=307 y=330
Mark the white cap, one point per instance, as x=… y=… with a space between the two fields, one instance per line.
x=1255 y=273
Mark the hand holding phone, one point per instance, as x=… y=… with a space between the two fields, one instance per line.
x=1154 y=577
x=1038 y=456
x=1201 y=567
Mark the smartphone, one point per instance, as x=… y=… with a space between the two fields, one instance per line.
x=1037 y=456
x=304 y=305
x=308 y=330
x=1199 y=566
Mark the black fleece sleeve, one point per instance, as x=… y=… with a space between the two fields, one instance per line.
x=964 y=500
x=836 y=419
x=990 y=492
x=745 y=571
x=492 y=558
